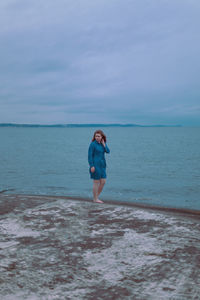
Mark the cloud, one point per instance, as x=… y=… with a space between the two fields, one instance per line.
x=135 y=59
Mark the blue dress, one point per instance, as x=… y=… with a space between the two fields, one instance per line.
x=96 y=158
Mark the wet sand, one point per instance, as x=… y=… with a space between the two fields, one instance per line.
x=59 y=248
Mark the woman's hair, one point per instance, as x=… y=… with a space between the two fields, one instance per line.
x=102 y=134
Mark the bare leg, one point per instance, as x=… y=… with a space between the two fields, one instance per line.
x=101 y=185
x=96 y=184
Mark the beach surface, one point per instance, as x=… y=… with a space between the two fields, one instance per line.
x=55 y=247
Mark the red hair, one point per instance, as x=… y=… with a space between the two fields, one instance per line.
x=101 y=133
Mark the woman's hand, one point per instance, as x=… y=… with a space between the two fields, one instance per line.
x=92 y=169
x=103 y=143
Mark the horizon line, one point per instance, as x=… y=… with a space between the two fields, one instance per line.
x=86 y=125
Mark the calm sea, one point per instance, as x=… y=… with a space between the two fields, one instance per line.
x=159 y=166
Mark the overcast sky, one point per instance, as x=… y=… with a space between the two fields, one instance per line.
x=100 y=61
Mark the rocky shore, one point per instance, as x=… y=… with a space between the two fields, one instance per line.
x=60 y=248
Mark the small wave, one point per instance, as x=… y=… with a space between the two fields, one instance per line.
x=7 y=190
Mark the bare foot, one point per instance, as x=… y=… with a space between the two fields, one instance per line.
x=98 y=201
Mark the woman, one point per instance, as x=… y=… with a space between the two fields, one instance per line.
x=97 y=162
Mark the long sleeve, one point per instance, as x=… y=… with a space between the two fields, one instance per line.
x=107 y=150
x=90 y=155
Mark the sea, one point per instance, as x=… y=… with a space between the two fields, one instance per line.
x=157 y=166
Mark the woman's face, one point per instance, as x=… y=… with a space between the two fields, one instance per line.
x=98 y=137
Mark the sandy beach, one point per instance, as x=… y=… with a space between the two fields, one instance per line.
x=61 y=248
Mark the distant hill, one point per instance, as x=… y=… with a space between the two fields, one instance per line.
x=83 y=125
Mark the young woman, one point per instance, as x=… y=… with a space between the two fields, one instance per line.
x=97 y=162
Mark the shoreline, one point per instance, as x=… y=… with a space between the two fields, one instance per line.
x=164 y=209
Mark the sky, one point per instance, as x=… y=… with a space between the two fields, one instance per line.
x=100 y=61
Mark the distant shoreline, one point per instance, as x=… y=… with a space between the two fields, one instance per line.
x=82 y=125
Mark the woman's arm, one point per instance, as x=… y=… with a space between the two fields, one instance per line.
x=90 y=155
x=107 y=150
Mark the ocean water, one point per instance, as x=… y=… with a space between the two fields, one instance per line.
x=157 y=166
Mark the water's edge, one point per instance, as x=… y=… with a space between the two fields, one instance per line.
x=184 y=211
